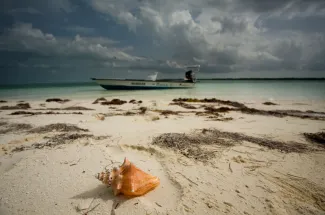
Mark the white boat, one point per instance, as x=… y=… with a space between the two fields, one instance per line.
x=152 y=82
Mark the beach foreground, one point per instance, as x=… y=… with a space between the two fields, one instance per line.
x=211 y=156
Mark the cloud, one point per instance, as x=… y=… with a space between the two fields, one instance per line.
x=60 y=5
x=230 y=25
x=38 y=7
x=80 y=29
x=23 y=37
x=224 y=36
x=28 y=10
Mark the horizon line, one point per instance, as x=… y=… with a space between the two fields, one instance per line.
x=204 y=79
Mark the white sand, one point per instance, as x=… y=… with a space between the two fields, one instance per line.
x=242 y=179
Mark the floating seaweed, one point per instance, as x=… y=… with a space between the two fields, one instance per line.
x=128 y=180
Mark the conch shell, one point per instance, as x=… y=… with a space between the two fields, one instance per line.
x=128 y=180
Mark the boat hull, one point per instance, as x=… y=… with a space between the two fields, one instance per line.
x=111 y=84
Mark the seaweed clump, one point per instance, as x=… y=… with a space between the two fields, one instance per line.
x=15 y=127
x=269 y=103
x=41 y=113
x=213 y=100
x=76 y=108
x=133 y=101
x=167 y=112
x=183 y=105
x=318 y=137
x=16 y=107
x=246 y=110
x=196 y=146
x=57 y=140
x=101 y=99
x=58 y=100
x=58 y=127
x=143 y=110
x=114 y=102
x=203 y=144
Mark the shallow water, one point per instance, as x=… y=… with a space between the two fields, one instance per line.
x=296 y=90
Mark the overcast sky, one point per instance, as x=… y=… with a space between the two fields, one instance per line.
x=73 y=40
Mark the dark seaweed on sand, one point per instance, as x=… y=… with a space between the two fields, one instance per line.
x=129 y=113
x=76 y=108
x=246 y=110
x=213 y=100
x=199 y=145
x=58 y=127
x=3 y=101
x=114 y=102
x=184 y=105
x=14 y=127
x=16 y=107
x=269 y=103
x=67 y=108
x=57 y=140
x=318 y=137
x=42 y=113
x=143 y=110
x=168 y=112
x=101 y=99
x=58 y=100
x=3 y=124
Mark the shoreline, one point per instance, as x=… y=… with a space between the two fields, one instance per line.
x=251 y=162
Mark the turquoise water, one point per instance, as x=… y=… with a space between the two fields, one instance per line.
x=226 y=89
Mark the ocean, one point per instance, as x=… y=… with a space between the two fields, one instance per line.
x=268 y=90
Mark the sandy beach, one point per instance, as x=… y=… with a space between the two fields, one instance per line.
x=212 y=156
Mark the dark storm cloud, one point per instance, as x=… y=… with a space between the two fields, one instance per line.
x=262 y=6
x=230 y=25
x=126 y=36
